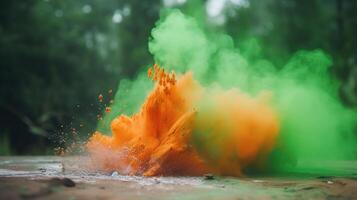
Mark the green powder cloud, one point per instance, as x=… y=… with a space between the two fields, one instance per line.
x=315 y=125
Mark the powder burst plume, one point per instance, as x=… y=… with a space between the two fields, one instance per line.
x=220 y=109
x=159 y=140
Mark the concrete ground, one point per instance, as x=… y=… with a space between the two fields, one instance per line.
x=66 y=178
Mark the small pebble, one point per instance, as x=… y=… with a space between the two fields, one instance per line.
x=115 y=173
x=68 y=182
x=65 y=182
x=42 y=170
x=209 y=176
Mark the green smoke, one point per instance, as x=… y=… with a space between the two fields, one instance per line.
x=130 y=95
x=315 y=125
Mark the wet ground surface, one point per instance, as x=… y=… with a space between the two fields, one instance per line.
x=66 y=178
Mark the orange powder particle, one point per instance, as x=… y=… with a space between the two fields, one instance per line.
x=108 y=109
x=100 y=98
x=158 y=139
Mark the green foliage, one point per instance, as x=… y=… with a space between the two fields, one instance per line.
x=5 y=148
x=57 y=57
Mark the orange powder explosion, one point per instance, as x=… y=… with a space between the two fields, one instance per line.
x=186 y=129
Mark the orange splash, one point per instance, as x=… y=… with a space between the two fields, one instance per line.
x=186 y=129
